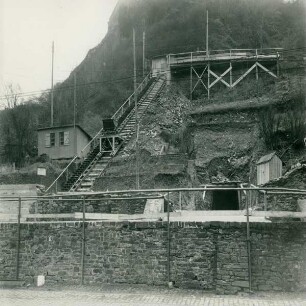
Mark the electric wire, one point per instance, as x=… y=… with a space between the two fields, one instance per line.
x=63 y=88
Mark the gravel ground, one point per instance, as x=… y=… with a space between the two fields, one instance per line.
x=138 y=295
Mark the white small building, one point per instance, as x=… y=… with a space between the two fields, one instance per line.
x=63 y=142
x=269 y=167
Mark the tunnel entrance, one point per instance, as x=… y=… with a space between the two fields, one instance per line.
x=225 y=200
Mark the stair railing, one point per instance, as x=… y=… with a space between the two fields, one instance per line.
x=77 y=183
x=79 y=180
x=93 y=142
x=61 y=174
x=128 y=102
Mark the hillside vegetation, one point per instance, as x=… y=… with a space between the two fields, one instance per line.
x=104 y=78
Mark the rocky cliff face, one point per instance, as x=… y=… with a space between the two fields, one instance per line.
x=105 y=77
x=180 y=150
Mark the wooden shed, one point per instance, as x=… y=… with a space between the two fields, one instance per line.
x=63 y=142
x=269 y=167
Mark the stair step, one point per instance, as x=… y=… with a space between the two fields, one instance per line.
x=95 y=174
x=86 y=184
x=83 y=189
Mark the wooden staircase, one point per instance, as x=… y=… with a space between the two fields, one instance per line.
x=127 y=127
x=96 y=162
x=95 y=171
x=72 y=181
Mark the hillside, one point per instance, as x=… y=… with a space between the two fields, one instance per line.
x=104 y=78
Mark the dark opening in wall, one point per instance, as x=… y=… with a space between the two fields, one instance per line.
x=225 y=200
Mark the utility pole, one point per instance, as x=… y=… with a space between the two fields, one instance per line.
x=143 y=53
x=136 y=111
x=207 y=55
x=74 y=113
x=74 y=100
x=143 y=47
x=52 y=84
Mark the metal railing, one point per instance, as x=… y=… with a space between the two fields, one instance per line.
x=95 y=140
x=229 y=54
x=83 y=201
x=92 y=143
x=128 y=102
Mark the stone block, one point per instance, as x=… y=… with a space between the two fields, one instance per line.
x=241 y=283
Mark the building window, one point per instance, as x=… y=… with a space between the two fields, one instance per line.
x=64 y=138
x=52 y=139
x=49 y=140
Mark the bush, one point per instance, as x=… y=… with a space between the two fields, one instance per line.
x=274 y=125
x=269 y=122
x=295 y=121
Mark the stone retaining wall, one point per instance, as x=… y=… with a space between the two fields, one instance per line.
x=100 y=205
x=209 y=256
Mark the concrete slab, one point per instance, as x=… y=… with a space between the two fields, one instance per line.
x=11 y=283
x=9 y=206
x=154 y=206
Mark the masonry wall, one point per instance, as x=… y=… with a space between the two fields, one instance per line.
x=99 y=205
x=209 y=256
x=295 y=180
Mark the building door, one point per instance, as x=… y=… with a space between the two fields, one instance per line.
x=225 y=200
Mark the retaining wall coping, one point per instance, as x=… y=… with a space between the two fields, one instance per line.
x=160 y=224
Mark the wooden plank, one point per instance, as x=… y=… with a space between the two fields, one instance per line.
x=220 y=78
x=278 y=214
x=120 y=217
x=244 y=75
x=266 y=70
x=50 y=216
x=199 y=78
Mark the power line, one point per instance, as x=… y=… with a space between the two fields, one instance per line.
x=67 y=87
x=62 y=88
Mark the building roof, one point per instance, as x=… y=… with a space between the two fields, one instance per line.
x=266 y=158
x=64 y=126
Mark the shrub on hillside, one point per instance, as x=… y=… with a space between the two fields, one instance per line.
x=291 y=122
x=295 y=120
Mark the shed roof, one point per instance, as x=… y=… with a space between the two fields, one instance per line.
x=63 y=127
x=266 y=158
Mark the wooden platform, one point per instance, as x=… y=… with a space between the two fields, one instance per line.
x=232 y=55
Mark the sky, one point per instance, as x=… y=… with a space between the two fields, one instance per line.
x=27 y=29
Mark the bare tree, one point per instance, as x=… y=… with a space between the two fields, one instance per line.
x=11 y=95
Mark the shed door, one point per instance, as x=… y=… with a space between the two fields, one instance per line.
x=262 y=174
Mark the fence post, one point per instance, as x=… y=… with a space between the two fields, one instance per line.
x=180 y=199
x=248 y=244
x=168 y=240
x=265 y=200
x=18 y=239
x=83 y=242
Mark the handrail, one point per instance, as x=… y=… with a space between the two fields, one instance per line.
x=74 y=158
x=121 y=109
x=141 y=86
x=92 y=140
x=193 y=55
x=78 y=181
